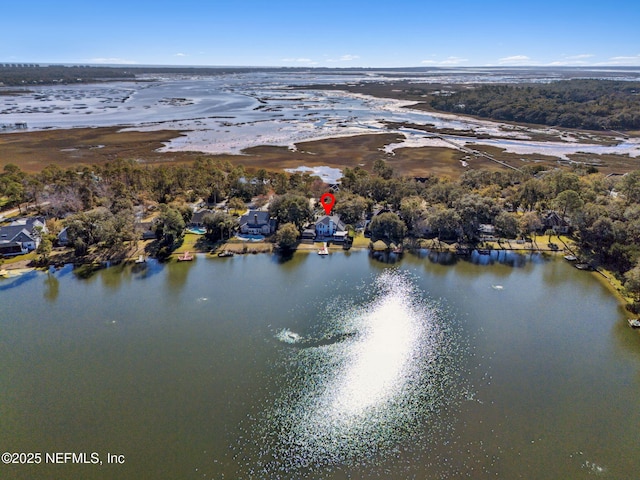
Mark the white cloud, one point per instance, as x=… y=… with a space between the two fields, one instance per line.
x=579 y=57
x=344 y=58
x=628 y=61
x=308 y=61
x=517 y=59
x=181 y=54
x=446 y=62
x=571 y=60
x=112 y=60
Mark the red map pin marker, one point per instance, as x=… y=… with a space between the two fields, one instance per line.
x=328 y=201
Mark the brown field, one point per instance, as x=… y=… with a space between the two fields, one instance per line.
x=32 y=151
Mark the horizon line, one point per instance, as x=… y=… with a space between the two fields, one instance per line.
x=313 y=67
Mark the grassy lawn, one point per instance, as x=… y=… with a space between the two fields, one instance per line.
x=614 y=285
x=18 y=258
x=360 y=241
x=192 y=242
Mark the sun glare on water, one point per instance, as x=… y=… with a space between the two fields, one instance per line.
x=378 y=386
x=380 y=363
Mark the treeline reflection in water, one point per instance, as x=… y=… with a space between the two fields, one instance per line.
x=121 y=274
x=492 y=257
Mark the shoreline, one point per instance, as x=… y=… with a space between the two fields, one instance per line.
x=19 y=267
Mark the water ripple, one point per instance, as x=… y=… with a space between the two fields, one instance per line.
x=364 y=399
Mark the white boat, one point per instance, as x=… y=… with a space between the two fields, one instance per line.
x=634 y=322
x=324 y=250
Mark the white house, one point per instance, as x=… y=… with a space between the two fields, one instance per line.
x=21 y=236
x=331 y=226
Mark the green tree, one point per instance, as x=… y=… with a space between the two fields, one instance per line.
x=474 y=209
x=287 y=236
x=529 y=223
x=532 y=193
x=444 y=222
x=351 y=208
x=629 y=186
x=632 y=282
x=236 y=203
x=506 y=225
x=413 y=210
x=387 y=226
x=218 y=223
x=568 y=202
x=600 y=236
x=382 y=169
x=172 y=224
x=44 y=249
x=291 y=208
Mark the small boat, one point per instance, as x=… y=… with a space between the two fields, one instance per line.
x=225 y=253
x=634 y=322
x=141 y=259
x=570 y=258
x=185 y=257
x=324 y=250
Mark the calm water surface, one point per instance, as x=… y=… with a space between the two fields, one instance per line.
x=337 y=367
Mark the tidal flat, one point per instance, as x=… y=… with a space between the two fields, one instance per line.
x=279 y=120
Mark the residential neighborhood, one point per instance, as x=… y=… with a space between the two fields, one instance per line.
x=209 y=206
x=21 y=236
x=257 y=222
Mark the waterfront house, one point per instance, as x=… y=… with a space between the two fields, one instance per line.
x=63 y=238
x=197 y=219
x=21 y=236
x=331 y=227
x=553 y=221
x=308 y=235
x=486 y=231
x=257 y=222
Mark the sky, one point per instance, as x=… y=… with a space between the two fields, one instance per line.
x=322 y=33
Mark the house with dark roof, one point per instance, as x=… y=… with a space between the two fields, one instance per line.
x=308 y=234
x=257 y=222
x=331 y=227
x=21 y=236
x=554 y=221
x=197 y=220
x=63 y=237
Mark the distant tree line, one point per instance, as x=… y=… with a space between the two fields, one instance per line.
x=578 y=103
x=13 y=75
x=24 y=75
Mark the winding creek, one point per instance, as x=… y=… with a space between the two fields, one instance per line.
x=231 y=112
x=338 y=367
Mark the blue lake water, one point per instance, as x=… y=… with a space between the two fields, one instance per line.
x=336 y=367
